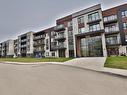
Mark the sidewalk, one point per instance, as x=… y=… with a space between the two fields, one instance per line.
x=115 y=71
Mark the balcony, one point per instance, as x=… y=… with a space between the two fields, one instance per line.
x=90 y=33
x=110 y=19
x=93 y=21
x=39 y=50
x=24 y=40
x=39 y=37
x=39 y=44
x=111 y=32
x=58 y=47
x=59 y=28
x=22 y=46
x=23 y=51
x=60 y=37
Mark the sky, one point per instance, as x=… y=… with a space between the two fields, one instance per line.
x=20 y=16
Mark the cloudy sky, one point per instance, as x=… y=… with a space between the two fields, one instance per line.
x=20 y=16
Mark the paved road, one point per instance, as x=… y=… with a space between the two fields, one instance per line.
x=50 y=79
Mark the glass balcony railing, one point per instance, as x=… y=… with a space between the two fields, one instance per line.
x=110 y=19
x=112 y=30
x=39 y=43
x=39 y=37
x=59 y=28
x=60 y=37
x=59 y=46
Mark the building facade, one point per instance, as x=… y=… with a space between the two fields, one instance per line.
x=91 y=32
x=115 y=24
x=25 y=45
x=7 y=48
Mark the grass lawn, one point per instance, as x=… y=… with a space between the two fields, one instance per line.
x=116 y=62
x=34 y=59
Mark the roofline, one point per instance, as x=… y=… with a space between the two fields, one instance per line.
x=115 y=7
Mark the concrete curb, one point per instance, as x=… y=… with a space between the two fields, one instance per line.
x=121 y=73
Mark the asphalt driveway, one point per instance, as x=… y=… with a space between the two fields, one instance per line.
x=49 y=79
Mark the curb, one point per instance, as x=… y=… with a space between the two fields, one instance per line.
x=60 y=63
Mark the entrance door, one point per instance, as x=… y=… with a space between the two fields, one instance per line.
x=61 y=53
x=91 y=47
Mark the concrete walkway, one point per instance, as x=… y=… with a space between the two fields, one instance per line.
x=93 y=63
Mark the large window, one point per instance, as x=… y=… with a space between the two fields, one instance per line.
x=91 y=47
x=93 y=17
x=124 y=14
x=82 y=30
x=111 y=40
x=95 y=27
x=109 y=18
x=125 y=25
x=81 y=20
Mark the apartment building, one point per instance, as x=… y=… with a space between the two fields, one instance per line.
x=39 y=44
x=115 y=24
x=50 y=43
x=25 y=45
x=7 y=48
x=64 y=37
x=15 y=47
x=88 y=33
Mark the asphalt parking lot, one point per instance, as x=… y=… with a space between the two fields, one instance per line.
x=49 y=79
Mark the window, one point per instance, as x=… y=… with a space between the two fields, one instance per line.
x=93 y=17
x=125 y=25
x=112 y=40
x=105 y=19
x=28 y=48
x=82 y=30
x=47 y=44
x=124 y=14
x=53 y=54
x=70 y=33
x=70 y=24
x=47 y=53
x=95 y=27
x=81 y=20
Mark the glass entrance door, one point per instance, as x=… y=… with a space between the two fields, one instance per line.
x=91 y=47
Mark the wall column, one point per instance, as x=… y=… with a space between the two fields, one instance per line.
x=104 y=45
